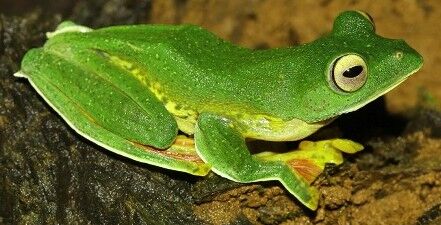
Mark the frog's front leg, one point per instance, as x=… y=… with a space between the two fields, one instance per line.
x=220 y=144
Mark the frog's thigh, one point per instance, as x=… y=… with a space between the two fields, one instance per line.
x=222 y=146
x=98 y=101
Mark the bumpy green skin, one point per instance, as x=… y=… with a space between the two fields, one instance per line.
x=130 y=88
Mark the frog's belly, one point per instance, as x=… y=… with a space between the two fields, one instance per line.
x=259 y=127
x=271 y=129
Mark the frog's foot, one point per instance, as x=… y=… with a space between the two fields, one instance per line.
x=222 y=146
x=310 y=159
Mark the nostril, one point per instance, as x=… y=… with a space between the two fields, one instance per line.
x=398 y=55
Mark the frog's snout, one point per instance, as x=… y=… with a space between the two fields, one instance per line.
x=407 y=58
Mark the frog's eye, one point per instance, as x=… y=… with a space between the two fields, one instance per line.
x=348 y=73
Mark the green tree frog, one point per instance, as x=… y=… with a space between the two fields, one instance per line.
x=131 y=89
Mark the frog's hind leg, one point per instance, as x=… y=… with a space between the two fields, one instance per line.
x=222 y=146
x=108 y=106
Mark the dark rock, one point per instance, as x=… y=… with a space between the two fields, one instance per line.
x=50 y=174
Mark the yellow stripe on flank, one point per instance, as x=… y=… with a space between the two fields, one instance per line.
x=185 y=117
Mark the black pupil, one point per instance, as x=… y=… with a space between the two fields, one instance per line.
x=353 y=71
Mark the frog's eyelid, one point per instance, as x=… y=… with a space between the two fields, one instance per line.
x=368 y=17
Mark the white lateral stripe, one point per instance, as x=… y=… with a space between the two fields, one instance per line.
x=76 y=28
x=21 y=74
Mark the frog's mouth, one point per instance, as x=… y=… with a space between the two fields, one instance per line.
x=380 y=93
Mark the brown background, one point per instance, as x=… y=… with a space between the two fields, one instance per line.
x=275 y=23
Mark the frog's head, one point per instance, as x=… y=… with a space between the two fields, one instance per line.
x=355 y=67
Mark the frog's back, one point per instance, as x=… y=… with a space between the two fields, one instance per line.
x=184 y=64
x=189 y=42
